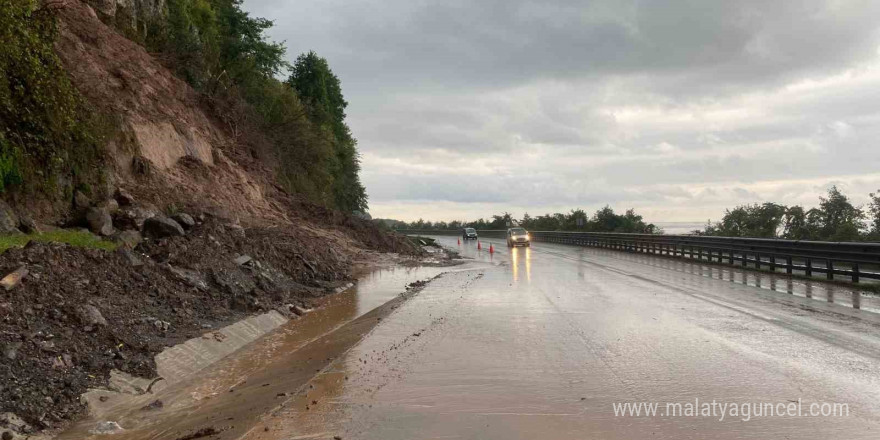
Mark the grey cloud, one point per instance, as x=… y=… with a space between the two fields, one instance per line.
x=669 y=106
x=492 y=43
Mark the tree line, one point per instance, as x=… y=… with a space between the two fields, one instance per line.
x=603 y=220
x=294 y=124
x=835 y=219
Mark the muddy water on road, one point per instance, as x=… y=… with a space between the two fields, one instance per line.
x=232 y=395
x=548 y=339
x=537 y=343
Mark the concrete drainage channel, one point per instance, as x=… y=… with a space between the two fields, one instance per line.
x=206 y=380
x=183 y=361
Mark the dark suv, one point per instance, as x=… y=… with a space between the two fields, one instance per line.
x=469 y=234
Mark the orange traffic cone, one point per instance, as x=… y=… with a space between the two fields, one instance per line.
x=479 y=246
x=491 y=248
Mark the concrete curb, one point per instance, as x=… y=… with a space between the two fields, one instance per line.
x=182 y=361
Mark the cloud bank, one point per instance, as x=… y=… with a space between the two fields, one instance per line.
x=677 y=108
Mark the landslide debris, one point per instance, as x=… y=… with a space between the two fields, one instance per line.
x=204 y=236
x=78 y=313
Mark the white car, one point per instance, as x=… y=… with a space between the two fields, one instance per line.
x=518 y=237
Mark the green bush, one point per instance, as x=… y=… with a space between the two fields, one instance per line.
x=48 y=136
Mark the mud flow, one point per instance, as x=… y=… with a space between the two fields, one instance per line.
x=228 y=398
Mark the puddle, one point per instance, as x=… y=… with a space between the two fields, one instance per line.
x=379 y=286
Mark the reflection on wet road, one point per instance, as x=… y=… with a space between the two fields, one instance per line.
x=545 y=340
x=542 y=343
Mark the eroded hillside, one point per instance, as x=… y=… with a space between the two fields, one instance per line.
x=202 y=225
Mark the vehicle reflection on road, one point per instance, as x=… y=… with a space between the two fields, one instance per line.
x=525 y=259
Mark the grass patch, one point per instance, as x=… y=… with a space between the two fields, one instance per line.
x=77 y=238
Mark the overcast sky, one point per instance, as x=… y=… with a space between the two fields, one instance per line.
x=680 y=109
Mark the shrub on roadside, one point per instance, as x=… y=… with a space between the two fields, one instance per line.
x=49 y=138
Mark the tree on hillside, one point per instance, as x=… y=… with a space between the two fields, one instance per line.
x=243 y=48
x=321 y=91
x=214 y=42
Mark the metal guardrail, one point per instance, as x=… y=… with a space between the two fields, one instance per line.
x=848 y=259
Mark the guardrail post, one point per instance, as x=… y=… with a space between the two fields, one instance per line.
x=789 y=267
x=744 y=259
x=730 y=257
x=700 y=253
x=772 y=263
x=757 y=261
x=808 y=267
x=855 y=272
x=829 y=269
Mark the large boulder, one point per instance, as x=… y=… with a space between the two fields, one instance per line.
x=81 y=201
x=111 y=205
x=133 y=217
x=28 y=225
x=8 y=220
x=123 y=197
x=161 y=227
x=129 y=239
x=99 y=221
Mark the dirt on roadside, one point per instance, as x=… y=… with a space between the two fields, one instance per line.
x=80 y=313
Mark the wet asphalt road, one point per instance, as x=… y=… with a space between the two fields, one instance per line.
x=543 y=342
